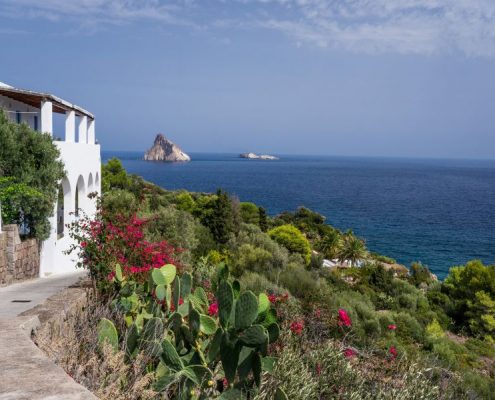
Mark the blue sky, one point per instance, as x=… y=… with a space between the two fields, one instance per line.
x=411 y=78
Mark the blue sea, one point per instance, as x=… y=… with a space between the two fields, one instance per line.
x=439 y=212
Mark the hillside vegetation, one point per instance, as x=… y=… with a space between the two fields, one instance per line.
x=244 y=309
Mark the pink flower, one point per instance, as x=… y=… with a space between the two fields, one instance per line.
x=272 y=298
x=213 y=309
x=318 y=313
x=84 y=244
x=297 y=327
x=349 y=353
x=393 y=352
x=344 y=318
x=181 y=301
x=392 y=327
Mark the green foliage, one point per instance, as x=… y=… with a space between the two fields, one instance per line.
x=107 y=333
x=114 y=176
x=119 y=202
x=472 y=290
x=250 y=213
x=353 y=249
x=292 y=239
x=185 y=202
x=30 y=162
x=177 y=227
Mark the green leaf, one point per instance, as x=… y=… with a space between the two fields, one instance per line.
x=131 y=340
x=245 y=363
x=197 y=373
x=253 y=336
x=201 y=295
x=236 y=287
x=164 y=382
x=160 y=292
x=151 y=337
x=257 y=368
x=185 y=285
x=229 y=354
x=158 y=277
x=161 y=370
x=214 y=348
x=225 y=298
x=207 y=325
x=194 y=321
x=267 y=364
x=273 y=332
x=176 y=293
x=168 y=296
x=169 y=271
x=263 y=303
x=108 y=333
x=118 y=272
x=246 y=310
x=170 y=357
x=280 y=395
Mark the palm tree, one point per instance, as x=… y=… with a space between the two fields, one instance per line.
x=331 y=244
x=353 y=249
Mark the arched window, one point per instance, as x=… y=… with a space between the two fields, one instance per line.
x=63 y=206
x=80 y=195
x=60 y=212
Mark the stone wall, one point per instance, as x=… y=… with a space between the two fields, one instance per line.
x=19 y=260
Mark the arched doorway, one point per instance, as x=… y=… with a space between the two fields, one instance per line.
x=63 y=206
x=80 y=195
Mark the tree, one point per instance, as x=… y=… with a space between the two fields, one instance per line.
x=220 y=221
x=30 y=162
x=330 y=244
x=114 y=176
x=263 y=219
x=353 y=249
x=292 y=238
x=250 y=213
x=472 y=290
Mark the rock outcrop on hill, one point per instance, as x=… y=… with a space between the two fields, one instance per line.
x=165 y=150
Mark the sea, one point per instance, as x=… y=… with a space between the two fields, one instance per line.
x=438 y=212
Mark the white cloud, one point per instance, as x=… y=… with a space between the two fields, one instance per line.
x=369 y=26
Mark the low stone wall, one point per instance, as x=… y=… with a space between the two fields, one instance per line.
x=19 y=260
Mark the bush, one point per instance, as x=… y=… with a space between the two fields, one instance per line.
x=292 y=239
x=250 y=213
x=30 y=161
x=177 y=227
x=119 y=202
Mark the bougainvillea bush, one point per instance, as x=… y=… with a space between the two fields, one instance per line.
x=102 y=243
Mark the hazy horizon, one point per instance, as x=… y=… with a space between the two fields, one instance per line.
x=309 y=77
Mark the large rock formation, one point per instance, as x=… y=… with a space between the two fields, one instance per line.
x=164 y=150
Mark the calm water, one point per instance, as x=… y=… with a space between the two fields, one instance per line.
x=441 y=212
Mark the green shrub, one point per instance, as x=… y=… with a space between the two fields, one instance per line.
x=292 y=239
x=408 y=328
x=258 y=283
x=250 y=213
x=185 y=202
x=30 y=162
x=178 y=227
x=119 y=202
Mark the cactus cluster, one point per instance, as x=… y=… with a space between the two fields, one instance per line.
x=188 y=348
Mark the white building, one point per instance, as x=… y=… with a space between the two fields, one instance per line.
x=80 y=154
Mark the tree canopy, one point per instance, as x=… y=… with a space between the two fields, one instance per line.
x=31 y=172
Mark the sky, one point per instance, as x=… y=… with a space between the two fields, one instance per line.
x=407 y=78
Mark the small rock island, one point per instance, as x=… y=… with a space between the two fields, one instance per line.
x=254 y=156
x=165 y=150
